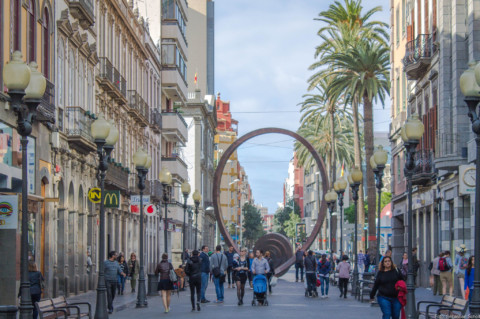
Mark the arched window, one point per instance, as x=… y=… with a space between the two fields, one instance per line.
x=71 y=79
x=61 y=73
x=81 y=84
x=31 y=30
x=46 y=43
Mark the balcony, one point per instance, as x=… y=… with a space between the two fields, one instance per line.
x=174 y=127
x=46 y=109
x=156 y=121
x=156 y=190
x=117 y=178
x=83 y=11
x=175 y=213
x=112 y=81
x=77 y=129
x=138 y=108
x=176 y=166
x=418 y=55
x=171 y=30
x=449 y=153
x=424 y=173
x=173 y=83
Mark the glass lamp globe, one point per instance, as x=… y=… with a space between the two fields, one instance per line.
x=197 y=197
x=381 y=156
x=16 y=73
x=36 y=88
x=100 y=128
x=140 y=158
x=165 y=176
x=340 y=184
x=414 y=128
x=113 y=135
x=148 y=164
x=357 y=175
x=186 y=188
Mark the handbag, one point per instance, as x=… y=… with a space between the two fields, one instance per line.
x=216 y=270
x=273 y=281
x=173 y=275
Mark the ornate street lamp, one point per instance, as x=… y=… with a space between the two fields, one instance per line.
x=166 y=180
x=331 y=199
x=142 y=163
x=339 y=186
x=377 y=162
x=355 y=179
x=185 y=191
x=26 y=87
x=469 y=84
x=197 y=198
x=411 y=134
x=105 y=136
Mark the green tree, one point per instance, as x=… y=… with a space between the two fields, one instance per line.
x=253 y=224
x=282 y=215
x=349 y=212
x=290 y=225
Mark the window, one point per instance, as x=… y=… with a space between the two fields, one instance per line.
x=61 y=73
x=71 y=79
x=46 y=44
x=404 y=18
x=31 y=30
x=404 y=91
x=17 y=26
x=397 y=29
x=90 y=91
x=397 y=95
x=399 y=171
x=81 y=84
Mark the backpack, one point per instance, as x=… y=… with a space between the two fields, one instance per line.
x=216 y=270
x=443 y=265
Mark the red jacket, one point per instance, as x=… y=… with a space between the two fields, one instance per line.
x=401 y=286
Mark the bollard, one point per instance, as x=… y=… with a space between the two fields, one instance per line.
x=152 y=285
x=8 y=312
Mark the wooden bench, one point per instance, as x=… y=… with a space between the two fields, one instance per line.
x=456 y=311
x=446 y=301
x=46 y=310
x=62 y=303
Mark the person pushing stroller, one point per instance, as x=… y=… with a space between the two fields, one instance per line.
x=259 y=268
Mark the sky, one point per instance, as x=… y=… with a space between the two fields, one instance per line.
x=262 y=53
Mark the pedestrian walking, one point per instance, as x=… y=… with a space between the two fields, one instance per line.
x=229 y=254
x=343 y=270
x=89 y=263
x=165 y=285
x=271 y=273
x=461 y=262
x=385 y=282
x=36 y=285
x=437 y=283
x=241 y=267
x=469 y=276
x=361 y=259
x=193 y=269
x=403 y=265
x=205 y=269
x=251 y=257
x=121 y=279
x=310 y=274
x=299 y=253
x=445 y=266
x=324 y=268
x=112 y=270
x=133 y=270
x=218 y=267
x=260 y=264
x=416 y=265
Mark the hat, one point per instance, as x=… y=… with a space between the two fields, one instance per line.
x=461 y=249
x=236 y=255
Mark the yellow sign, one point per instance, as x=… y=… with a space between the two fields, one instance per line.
x=95 y=195
x=112 y=199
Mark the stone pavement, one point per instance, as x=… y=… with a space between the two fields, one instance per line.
x=287 y=301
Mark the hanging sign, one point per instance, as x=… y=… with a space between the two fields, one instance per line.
x=8 y=211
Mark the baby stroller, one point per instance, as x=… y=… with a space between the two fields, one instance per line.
x=260 y=290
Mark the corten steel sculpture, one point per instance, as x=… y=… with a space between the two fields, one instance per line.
x=278 y=245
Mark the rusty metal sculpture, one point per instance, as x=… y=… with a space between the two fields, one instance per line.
x=277 y=244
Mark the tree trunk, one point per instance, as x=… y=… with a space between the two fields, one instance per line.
x=333 y=170
x=371 y=194
x=358 y=163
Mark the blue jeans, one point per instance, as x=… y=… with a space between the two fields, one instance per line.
x=297 y=267
x=390 y=307
x=325 y=284
x=218 y=288
x=205 y=277
x=121 y=283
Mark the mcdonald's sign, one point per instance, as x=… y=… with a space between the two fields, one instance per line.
x=112 y=199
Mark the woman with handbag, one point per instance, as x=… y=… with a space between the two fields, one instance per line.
x=165 y=285
x=36 y=285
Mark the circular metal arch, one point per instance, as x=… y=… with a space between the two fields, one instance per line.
x=282 y=268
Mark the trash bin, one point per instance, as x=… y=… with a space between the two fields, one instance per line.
x=8 y=312
x=152 y=285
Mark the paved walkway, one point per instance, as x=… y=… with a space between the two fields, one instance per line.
x=287 y=301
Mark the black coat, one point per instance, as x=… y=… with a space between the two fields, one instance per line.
x=194 y=268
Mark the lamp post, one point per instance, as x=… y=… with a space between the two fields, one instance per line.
x=355 y=178
x=331 y=199
x=105 y=135
x=142 y=163
x=166 y=180
x=26 y=87
x=197 y=198
x=185 y=191
x=377 y=162
x=470 y=88
x=411 y=134
x=339 y=186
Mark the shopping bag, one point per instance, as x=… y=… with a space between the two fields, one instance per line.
x=273 y=281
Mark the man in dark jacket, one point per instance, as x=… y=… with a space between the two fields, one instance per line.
x=299 y=263
x=229 y=254
x=194 y=272
x=205 y=269
x=324 y=268
x=310 y=269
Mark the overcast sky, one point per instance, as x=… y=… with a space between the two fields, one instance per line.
x=262 y=53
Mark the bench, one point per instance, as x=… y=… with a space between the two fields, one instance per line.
x=46 y=310
x=62 y=303
x=446 y=301
x=456 y=311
